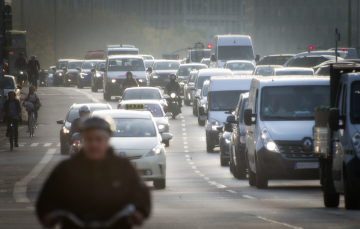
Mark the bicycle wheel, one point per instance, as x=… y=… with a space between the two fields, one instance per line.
x=11 y=137
x=31 y=124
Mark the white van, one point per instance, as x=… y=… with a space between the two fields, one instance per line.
x=222 y=99
x=202 y=75
x=279 y=120
x=115 y=72
x=121 y=51
x=230 y=47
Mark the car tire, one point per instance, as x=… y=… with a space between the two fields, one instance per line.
x=231 y=166
x=209 y=147
x=252 y=178
x=331 y=199
x=261 y=181
x=159 y=184
x=352 y=200
x=240 y=171
x=224 y=161
x=194 y=110
x=201 y=122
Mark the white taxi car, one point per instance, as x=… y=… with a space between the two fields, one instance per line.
x=137 y=138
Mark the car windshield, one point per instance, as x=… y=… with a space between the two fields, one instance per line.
x=293 y=73
x=263 y=71
x=292 y=102
x=100 y=65
x=61 y=64
x=89 y=65
x=224 y=100
x=152 y=94
x=201 y=81
x=147 y=57
x=74 y=65
x=123 y=52
x=323 y=71
x=274 y=60
x=235 y=53
x=355 y=105
x=148 y=63
x=173 y=65
x=240 y=66
x=186 y=69
x=74 y=113
x=198 y=55
x=205 y=90
x=126 y=64
x=134 y=127
x=9 y=83
x=307 y=62
x=207 y=62
x=155 y=109
x=50 y=71
x=192 y=77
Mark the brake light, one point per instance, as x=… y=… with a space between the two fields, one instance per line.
x=343 y=49
x=11 y=53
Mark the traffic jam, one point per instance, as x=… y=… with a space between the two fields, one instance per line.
x=220 y=138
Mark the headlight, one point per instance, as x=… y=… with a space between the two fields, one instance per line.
x=154 y=151
x=155 y=76
x=21 y=72
x=113 y=81
x=160 y=127
x=66 y=130
x=356 y=144
x=214 y=124
x=60 y=74
x=227 y=141
x=172 y=95
x=269 y=144
x=181 y=84
x=98 y=75
x=140 y=80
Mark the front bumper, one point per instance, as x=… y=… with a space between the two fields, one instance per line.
x=85 y=81
x=155 y=164
x=158 y=82
x=275 y=166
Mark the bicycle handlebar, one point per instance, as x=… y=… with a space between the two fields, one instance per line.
x=126 y=211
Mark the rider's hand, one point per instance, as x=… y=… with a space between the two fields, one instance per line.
x=136 y=219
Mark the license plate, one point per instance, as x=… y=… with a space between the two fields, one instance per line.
x=134 y=164
x=306 y=165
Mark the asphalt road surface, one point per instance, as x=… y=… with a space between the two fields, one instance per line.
x=199 y=194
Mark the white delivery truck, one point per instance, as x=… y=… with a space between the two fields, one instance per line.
x=230 y=47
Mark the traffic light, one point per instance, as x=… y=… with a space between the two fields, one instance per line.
x=209 y=46
x=311 y=48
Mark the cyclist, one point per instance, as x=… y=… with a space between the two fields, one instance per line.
x=95 y=183
x=33 y=68
x=33 y=98
x=12 y=110
x=21 y=65
x=174 y=86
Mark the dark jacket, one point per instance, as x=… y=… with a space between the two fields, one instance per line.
x=92 y=190
x=172 y=86
x=75 y=126
x=130 y=82
x=21 y=63
x=6 y=106
x=33 y=65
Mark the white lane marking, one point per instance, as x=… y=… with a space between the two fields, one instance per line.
x=201 y=175
x=231 y=191
x=187 y=156
x=21 y=145
x=184 y=129
x=183 y=120
x=47 y=144
x=206 y=178
x=20 y=187
x=186 y=151
x=34 y=144
x=284 y=224
x=203 y=139
x=92 y=98
x=58 y=144
x=188 y=159
x=185 y=147
x=197 y=171
x=183 y=125
x=184 y=138
x=191 y=163
x=220 y=186
x=184 y=133
x=249 y=197
x=193 y=167
x=181 y=116
x=185 y=143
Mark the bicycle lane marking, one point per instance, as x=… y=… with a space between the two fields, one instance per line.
x=20 y=187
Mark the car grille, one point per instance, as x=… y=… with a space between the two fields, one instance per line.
x=295 y=151
x=163 y=76
x=134 y=157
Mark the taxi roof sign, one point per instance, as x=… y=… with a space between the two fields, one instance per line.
x=134 y=106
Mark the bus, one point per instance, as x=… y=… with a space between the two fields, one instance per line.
x=18 y=45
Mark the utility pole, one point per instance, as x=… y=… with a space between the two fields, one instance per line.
x=357 y=25
x=160 y=48
x=349 y=23
x=55 y=31
x=2 y=42
x=337 y=39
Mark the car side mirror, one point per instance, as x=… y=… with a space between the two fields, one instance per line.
x=248 y=117
x=213 y=58
x=168 y=114
x=102 y=69
x=149 y=69
x=60 y=121
x=19 y=87
x=118 y=98
x=334 y=118
x=231 y=119
x=76 y=136
x=257 y=58
x=197 y=96
x=93 y=70
x=202 y=111
x=228 y=127
x=166 y=136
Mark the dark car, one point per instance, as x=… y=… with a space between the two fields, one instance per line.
x=278 y=59
x=72 y=72
x=237 y=140
x=59 y=71
x=70 y=116
x=97 y=76
x=188 y=86
x=160 y=71
x=84 y=78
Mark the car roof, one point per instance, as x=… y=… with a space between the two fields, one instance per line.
x=122 y=113
x=91 y=105
x=230 y=83
x=293 y=80
x=126 y=56
x=142 y=88
x=92 y=60
x=193 y=64
x=145 y=101
x=292 y=69
x=76 y=61
x=166 y=61
x=274 y=55
x=269 y=66
x=240 y=61
x=210 y=71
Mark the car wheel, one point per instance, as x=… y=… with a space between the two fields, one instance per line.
x=252 y=178
x=331 y=199
x=352 y=200
x=209 y=146
x=159 y=184
x=201 y=122
x=224 y=161
x=106 y=96
x=240 y=171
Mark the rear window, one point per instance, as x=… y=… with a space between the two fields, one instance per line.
x=142 y=94
x=100 y=65
x=74 y=113
x=186 y=69
x=307 y=62
x=274 y=60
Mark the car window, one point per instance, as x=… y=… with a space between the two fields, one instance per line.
x=185 y=70
x=61 y=65
x=134 y=127
x=292 y=73
x=240 y=66
x=123 y=52
x=74 y=113
x=201 y=81
x=274 y=60
x=142 y=94
x=264 y=71
x=9 y=83
x=205 y=90
x=74 y=65
x=126 y=64
x=100 y=65
x=166 y=65
x=192 y=77
x=155 y=109
x=89 y=65
x=307 y=62
x=224 y=100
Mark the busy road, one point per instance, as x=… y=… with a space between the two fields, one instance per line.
x=200 y=193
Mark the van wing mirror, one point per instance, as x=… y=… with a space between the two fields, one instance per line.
x=202 y=111
x=334 y=119
x=149 y=69
x=248 y=117
x=228 y=127
x=231 y=119
x=61 y=121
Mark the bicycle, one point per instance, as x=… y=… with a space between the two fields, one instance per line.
x=11 y=133
x=32 y=124
x=126 y=211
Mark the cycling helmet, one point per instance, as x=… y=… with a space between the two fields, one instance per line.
x=33 y=57
x=172 y=76
x=85 y=109
x=106 y=124
x=129 y=73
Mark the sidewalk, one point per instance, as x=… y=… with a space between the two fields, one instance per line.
x=23 y=92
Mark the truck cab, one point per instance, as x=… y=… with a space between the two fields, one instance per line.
x=337 y=141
